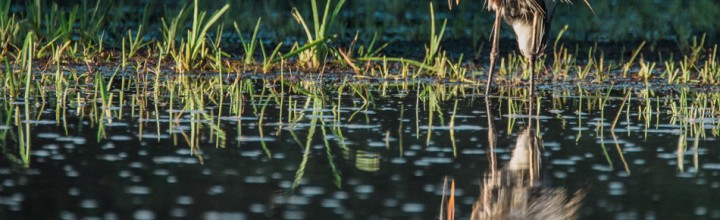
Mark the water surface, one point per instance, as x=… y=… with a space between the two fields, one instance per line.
x=309 y=150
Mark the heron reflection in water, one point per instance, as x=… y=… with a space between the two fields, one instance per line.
x=517 y=190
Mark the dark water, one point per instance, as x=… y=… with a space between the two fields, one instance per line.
x=371 y=152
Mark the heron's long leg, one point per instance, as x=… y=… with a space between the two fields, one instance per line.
x=532 y=74
x=494 y=51
x=533 y=52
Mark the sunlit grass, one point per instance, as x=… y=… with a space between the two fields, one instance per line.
x=193 y=49
x=319 y=35
x=91 y=34
x=72 y=53
x=249 y=47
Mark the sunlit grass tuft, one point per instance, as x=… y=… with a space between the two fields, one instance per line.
x=193 y=50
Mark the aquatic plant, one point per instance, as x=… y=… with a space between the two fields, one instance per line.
x=134 y=44
x=629 y=63
x=250 y=46
x=316 y=49
x=193 y=48
x=9 y=30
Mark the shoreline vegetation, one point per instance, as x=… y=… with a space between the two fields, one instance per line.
x=331 y=37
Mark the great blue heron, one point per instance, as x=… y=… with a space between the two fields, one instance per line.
x=530 y=20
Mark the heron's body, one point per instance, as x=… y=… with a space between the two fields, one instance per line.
x=520 y=14
x=530 y=20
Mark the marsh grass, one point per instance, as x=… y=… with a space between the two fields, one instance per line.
x=133 y=43
x=249 y=47
x=9 y=29
x=152 y=80
x=193 y=49
x=197 y=127
x=81 y=33
x=435 y=63
x=316 y=49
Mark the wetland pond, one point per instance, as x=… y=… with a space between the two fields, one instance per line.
x=269 y=110
x=332 y=149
